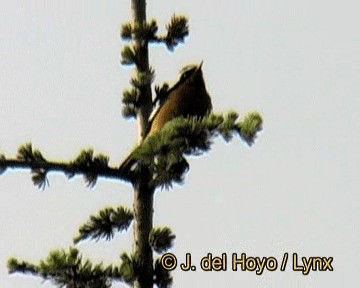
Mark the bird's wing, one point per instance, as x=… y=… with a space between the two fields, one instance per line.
x=155 y=111
x=184 y=74
x=159 y=104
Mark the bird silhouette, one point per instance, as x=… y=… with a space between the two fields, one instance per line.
x=187 y=98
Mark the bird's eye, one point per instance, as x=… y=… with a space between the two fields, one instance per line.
x=186 y=75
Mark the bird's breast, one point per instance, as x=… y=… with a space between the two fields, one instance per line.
x=185 y=101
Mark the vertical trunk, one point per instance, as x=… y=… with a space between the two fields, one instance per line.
x=143 y=194
x=139 y=18
x=143 y=212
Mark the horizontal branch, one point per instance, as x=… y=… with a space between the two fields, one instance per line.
x=86 y=163
x=106 y=172
x=164 y=153
x=68 y=268
x=105 y=224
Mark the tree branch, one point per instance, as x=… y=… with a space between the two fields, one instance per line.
x=67 y=268
x=67 y=168
x=86 y=163
x=105 y=224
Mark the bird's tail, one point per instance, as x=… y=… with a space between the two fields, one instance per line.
x=127 y=165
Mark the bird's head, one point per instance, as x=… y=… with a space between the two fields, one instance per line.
x=192 y=74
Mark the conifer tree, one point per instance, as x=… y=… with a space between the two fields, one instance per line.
x=160 y=163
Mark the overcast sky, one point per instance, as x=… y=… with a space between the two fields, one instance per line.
x=296 y=190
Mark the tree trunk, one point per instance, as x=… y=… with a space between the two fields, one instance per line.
x=145 y=101
x=143 y=212
x=143 y=194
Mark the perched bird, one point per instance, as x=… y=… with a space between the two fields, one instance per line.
x=187 y=98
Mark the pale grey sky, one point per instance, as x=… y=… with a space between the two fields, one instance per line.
x=295 y=190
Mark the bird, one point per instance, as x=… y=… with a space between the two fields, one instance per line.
x=187 y=98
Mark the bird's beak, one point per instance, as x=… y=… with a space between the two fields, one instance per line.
x=198 y=68
x=200 y=65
